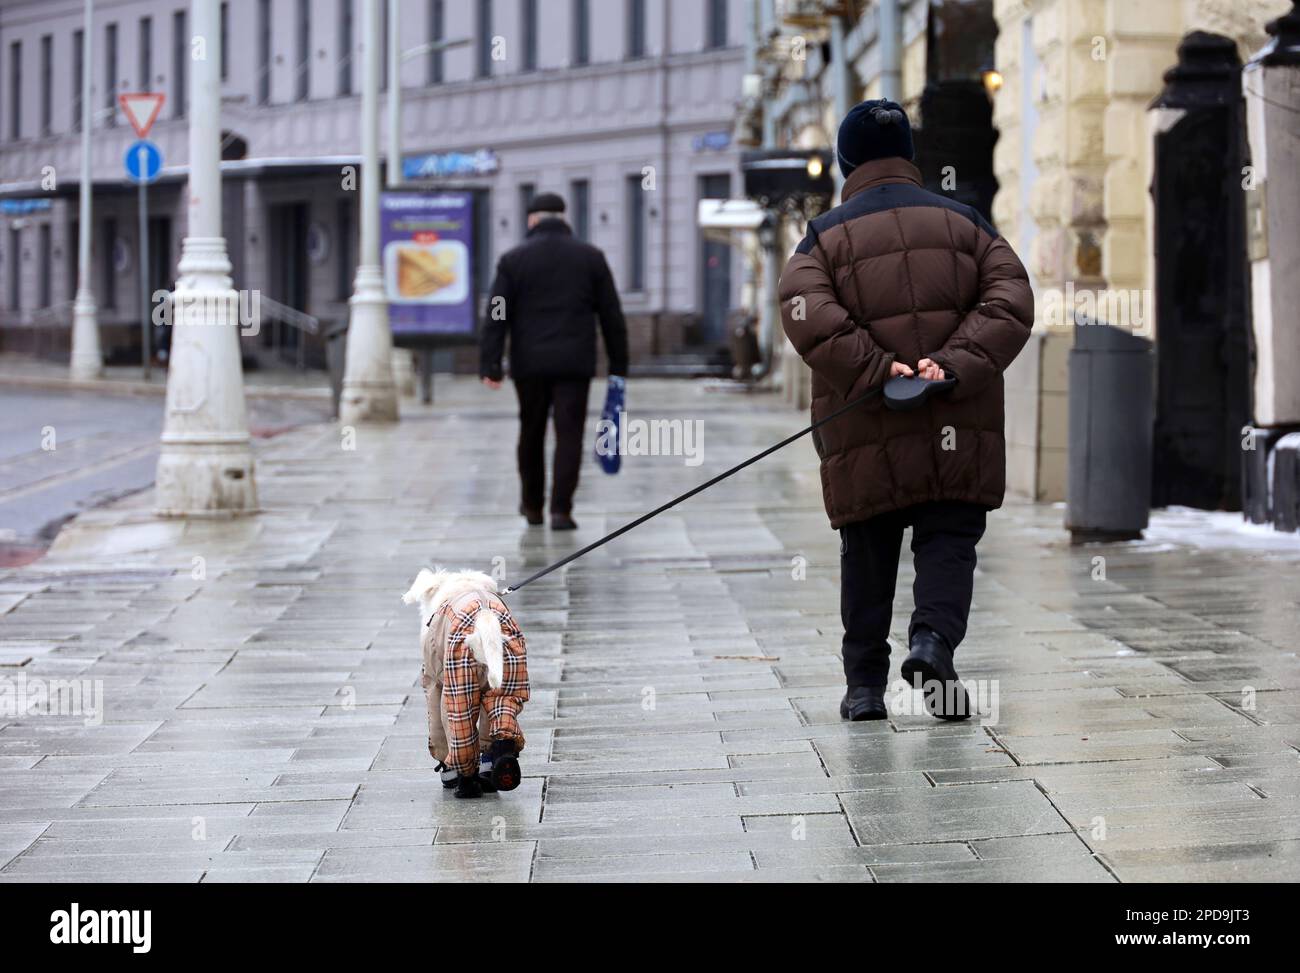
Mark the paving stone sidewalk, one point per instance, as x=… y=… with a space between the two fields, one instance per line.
x=262 y=721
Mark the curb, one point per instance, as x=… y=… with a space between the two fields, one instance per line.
x=128 y=387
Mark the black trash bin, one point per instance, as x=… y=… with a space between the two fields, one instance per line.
x=335 y=356
x=1112 y=384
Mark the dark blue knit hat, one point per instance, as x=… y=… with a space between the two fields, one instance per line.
x=875 y=129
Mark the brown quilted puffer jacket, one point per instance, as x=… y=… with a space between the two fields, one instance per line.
x=897 y=272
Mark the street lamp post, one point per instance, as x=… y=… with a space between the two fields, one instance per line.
x=395 y=59
x=86 y=360
x=394 y=96
x=206 y=464
x=369 y=392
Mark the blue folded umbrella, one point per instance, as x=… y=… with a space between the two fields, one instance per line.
x=611 y=417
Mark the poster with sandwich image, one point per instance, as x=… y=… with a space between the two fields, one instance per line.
x=426 y=246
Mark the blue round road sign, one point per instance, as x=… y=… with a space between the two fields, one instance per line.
x=143 y=161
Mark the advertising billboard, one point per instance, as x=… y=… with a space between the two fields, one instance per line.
x=427 y=251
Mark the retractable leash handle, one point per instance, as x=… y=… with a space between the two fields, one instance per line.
x=692 y=492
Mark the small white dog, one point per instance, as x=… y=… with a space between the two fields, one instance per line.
x=434 y=589
x=475 y=679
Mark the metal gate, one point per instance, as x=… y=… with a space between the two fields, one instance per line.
x=1201 y=280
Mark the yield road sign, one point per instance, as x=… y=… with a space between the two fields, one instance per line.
x=141 y=109
x=143 y=161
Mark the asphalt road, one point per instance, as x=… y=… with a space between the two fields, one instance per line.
x=65 y=451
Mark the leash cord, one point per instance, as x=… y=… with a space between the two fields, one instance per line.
x=692 y=492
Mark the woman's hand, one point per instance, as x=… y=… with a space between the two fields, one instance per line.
x=898 y=368
x=929 y=369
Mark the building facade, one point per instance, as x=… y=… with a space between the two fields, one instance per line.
x=622 y=106
x=1039 y=113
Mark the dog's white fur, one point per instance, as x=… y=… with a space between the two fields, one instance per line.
x=433 y=589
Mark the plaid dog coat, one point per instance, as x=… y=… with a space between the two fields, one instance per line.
x=465 y=713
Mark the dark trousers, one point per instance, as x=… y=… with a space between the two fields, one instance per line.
x=539 y=398
x=944 y=535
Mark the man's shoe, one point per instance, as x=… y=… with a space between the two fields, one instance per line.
x=504 y=774
x=532 y=515
x=864 y=703
x=563 y=522
x=929 y=667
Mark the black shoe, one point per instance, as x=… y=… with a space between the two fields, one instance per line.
x=929 y=667
x=531 y=514
x=563 y=522
x=505 y=774
x=864 y=703
x=468 y=786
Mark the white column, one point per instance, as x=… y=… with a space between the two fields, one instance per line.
x=206 y=466
x=1271 y=80
x=87 y=361
x=369 y=393
x=394 y=94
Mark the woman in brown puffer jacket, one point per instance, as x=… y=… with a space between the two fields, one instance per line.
x=897 y=280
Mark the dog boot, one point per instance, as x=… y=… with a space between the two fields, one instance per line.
x=505 y=775
x=929 y=667
x=447 y=775
x=468 y=786
x=485 y=773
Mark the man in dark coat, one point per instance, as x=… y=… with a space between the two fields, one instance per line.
x=900 y=281
x=548 y=295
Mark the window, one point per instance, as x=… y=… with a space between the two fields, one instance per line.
x=304 y=50
x=16 y=90
x=345 y=270
x=225 y=40
x=263 y=52
x=436 y=12
x=581 y=32
x=47 y=84
x=527 y=191
x=180 y=55
x=15 y=267
x=145 y=81
x=347 y=48
x=78 y=64
x=635 y=203
x=483 y=37
x=110 y=74
x=483 y=262
x=716 y=28
x=383 y=44
x=580 y=197
x=528 y=24
x=635 y=29
x=108 y=292
x=47 y=266
x=71 y=265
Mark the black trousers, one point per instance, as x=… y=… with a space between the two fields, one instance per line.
x=539 y=398
x=944 y=535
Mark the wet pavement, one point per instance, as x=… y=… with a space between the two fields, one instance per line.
x=261 y=718
x=63 y=451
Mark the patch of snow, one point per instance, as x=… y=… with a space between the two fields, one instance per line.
x=1218 y=529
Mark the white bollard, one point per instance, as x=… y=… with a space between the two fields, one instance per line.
x=206 y=465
